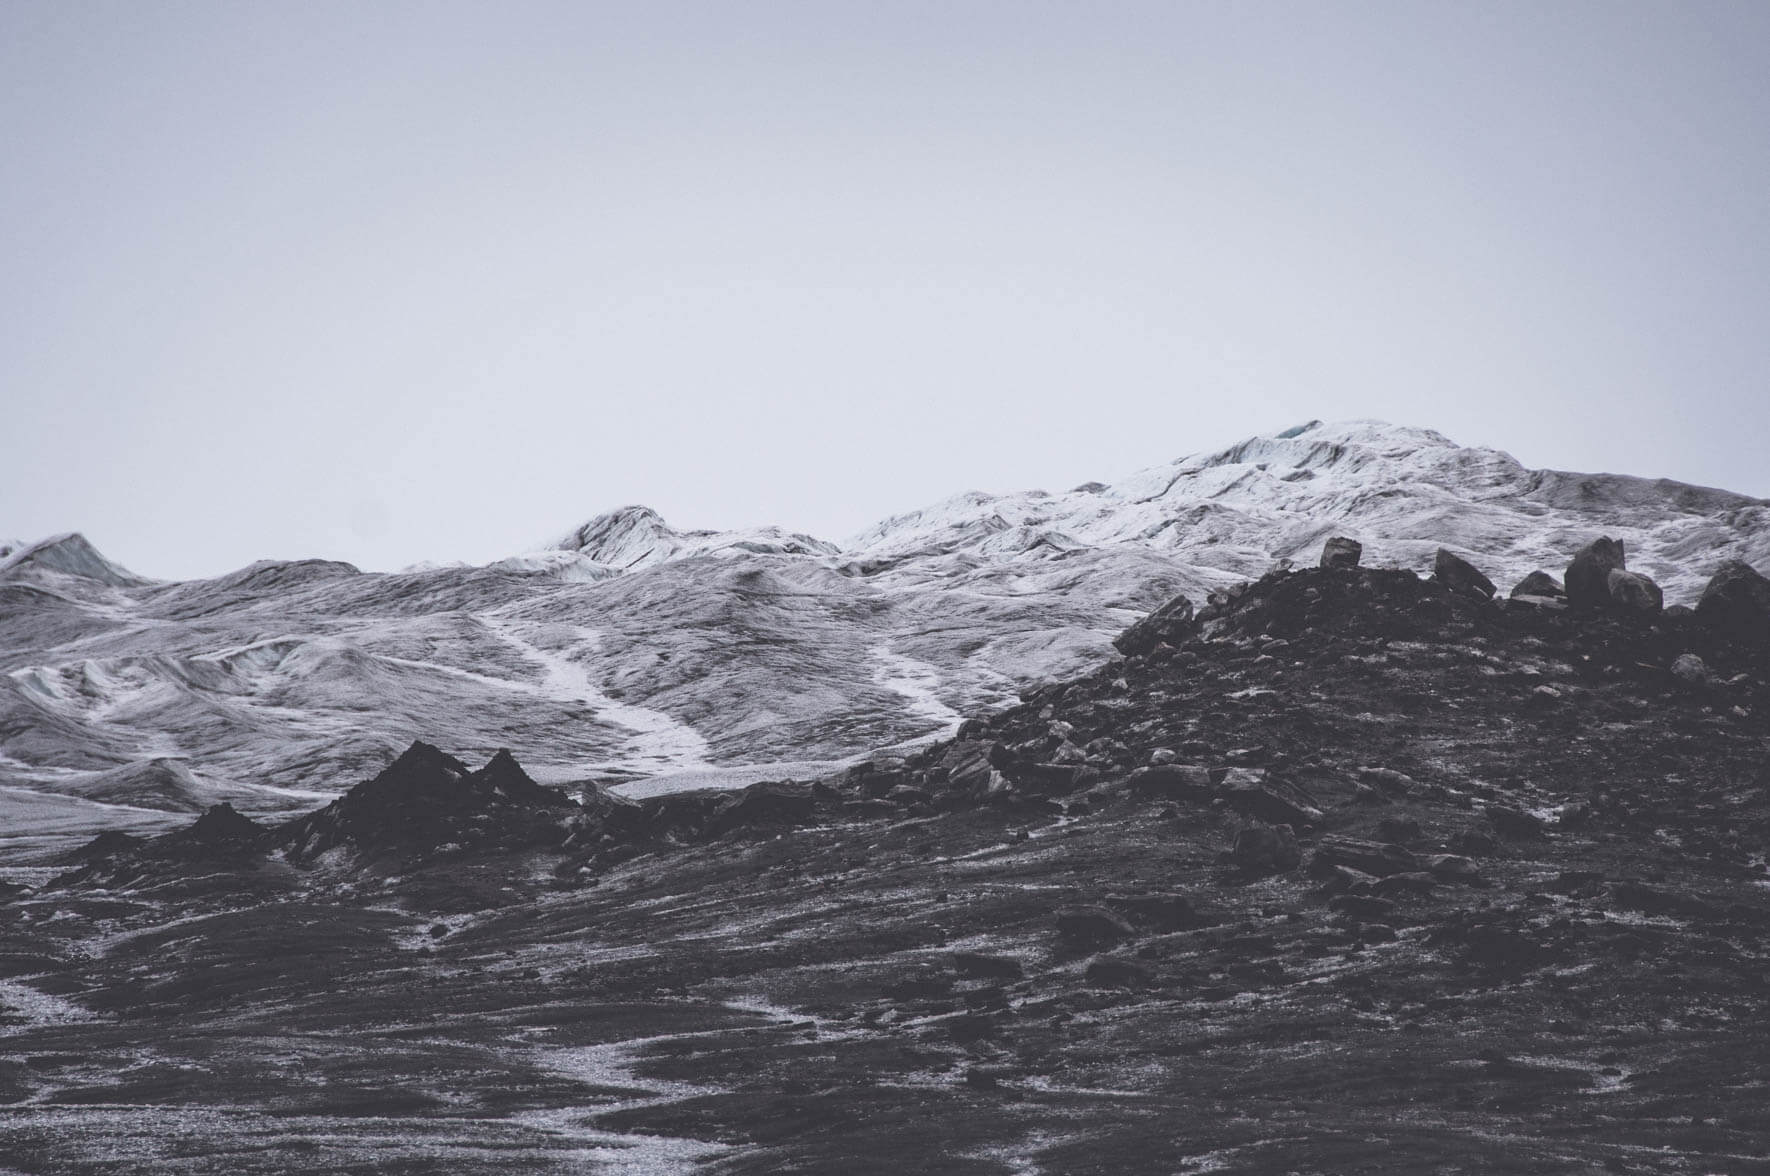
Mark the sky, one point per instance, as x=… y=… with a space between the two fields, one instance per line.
x=401 y=282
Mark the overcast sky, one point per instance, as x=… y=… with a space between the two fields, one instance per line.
x=387 y=282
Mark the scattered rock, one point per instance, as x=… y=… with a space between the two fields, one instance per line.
x=1266 y=849
x=1634 y=592
x=1172 y=623
x=1118 y=972
x=1368 y=857
x=1341 y=552
x=1459 y=575
x=1172 y=782
x=1515 y=824
x=1737 y=603
x=1688 y=667
x=1088 y=927
x=1588 y=576
x=1540 y=585
x=1388 y=780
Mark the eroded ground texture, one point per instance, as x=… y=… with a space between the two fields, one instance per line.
x=1351 y=873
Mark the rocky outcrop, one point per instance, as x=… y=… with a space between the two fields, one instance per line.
x=1633 y=592
x=1588 y=576
x=1173 y=624
x=1540 y=584
x=1459 y=575
x=1736 y=603
x=1341 y=552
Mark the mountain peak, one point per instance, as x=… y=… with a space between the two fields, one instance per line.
x=70 y=554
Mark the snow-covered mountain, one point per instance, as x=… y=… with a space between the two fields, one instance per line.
x=630 y=649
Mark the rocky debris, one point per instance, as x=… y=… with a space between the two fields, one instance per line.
x=219 y=839
x=1087 y=928
x=1119 y=972
x=1374 y=858
x=1459 y=575
x=1540 y=585
x=1266 y=849
x=1172 y=624
x=1588 y=576
x=1171 y=781
x=1736 y=603
x=1473 y=989
x=1248 y=791
x=428 y=801
x=1634 y=592
x=1341 y=552
x=1513 y=823
x=1687 y=667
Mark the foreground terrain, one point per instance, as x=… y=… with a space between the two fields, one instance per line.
x=1353 y=871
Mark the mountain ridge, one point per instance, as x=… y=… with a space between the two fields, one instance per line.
x=632 y=649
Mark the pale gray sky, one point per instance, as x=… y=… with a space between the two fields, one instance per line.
x=388 y=282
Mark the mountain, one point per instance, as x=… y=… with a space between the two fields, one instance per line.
x=632 y=650
x=1347 y=870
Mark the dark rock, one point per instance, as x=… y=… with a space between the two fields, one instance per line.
x=1248 y=793
x=1634 y=592
x=1158 y=912
x=1388 y=780
x=1173 y=623
x=1263 y=849
x=1172 y=782
x=1540 y=584
x=1588 y=576
x=1736 y=603
x=1687 y=667
x=1459 y=575
x=1118 y=972
x=1361 y=906
x=1398 y=829
x=1369 y=857
x=987 y=1077
x=770 y=802
x=1473 y=843
x=1341 y=552
x=1515 y=824
x=977 y=966
x=1086 y=927
x=1450 y=867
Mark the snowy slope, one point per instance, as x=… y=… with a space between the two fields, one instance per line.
x=631 y=649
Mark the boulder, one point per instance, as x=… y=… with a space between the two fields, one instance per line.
x=1341 y=552
x=1588 y=576
x=1247 y=792
x=1692 y=669
x=1736 y=603
x=1088 y=927
x=1172 y=623
x=1266 y=849
x=978 y=966
x=1633 y=592
x=1540 y=584
x=1461 y=576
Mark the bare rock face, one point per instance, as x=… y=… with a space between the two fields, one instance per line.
x=1171 y=623
x=1633 y=592
x=1540 y=584
x=1737 y=603
x=1588 y=576
x=1459 y=575
x=1341 y=552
